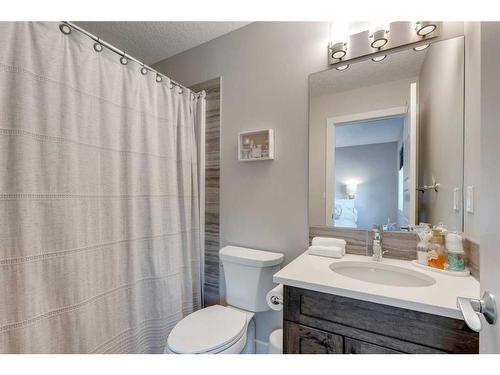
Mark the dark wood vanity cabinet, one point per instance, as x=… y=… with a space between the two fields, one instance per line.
x=320 y=323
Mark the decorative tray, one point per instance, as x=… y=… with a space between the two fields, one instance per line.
x=463 y=273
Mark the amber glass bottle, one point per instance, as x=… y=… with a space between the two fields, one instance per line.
x=437 y=252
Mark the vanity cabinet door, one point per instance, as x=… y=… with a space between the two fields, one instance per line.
x=305 y=340
x=352 y=346
x=391 y=327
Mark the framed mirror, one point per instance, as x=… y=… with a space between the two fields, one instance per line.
x=386 y=140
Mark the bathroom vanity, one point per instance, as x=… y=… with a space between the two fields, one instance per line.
x=327 y=312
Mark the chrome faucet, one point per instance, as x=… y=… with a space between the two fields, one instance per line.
x=377 y=245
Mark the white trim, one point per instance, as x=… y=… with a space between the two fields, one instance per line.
x=331 y=123
x=413 y=154
x=371 y=115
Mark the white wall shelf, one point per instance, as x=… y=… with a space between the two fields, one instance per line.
x=257 y=145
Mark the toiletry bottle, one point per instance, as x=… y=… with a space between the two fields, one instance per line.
x=436 y=257
x=424 y=234
x=422 y=252
x=454 y=247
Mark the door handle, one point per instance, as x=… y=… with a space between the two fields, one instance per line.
x=471 y=307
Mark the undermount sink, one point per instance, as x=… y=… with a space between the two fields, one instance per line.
x=380 y=273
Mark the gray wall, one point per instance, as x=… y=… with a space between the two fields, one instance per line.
x=376 y=167
x=441 y=100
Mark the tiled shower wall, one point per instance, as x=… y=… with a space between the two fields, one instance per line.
x=212 y=185
x=399 y=245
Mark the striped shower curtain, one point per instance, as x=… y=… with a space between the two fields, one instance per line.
x=99 y=198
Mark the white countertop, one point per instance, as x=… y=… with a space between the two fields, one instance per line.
x=313 y=273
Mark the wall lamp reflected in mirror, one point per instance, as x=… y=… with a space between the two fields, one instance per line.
x=379 y=58
x=351 y=188
x=424 y=28
x=342 y=67
x=421 y=47
x=379 y=35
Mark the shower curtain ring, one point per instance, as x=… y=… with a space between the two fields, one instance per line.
x=158 y=77
x=65 y=29
x=98 y=46
x=123 y=60
x=144 y=71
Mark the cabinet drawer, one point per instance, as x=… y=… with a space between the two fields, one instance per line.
x=352 y=346
x=400 y=329
x=305 y=340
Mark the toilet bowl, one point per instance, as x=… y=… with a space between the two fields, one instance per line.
x=212 y=330
x=229 y=329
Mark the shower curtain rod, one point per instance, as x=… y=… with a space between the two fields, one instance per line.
x=123 y=54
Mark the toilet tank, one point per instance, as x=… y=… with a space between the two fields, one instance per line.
x=249 y=276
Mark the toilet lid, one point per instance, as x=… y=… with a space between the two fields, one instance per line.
x=207 y=330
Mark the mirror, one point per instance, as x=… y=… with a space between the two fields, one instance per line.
x=386 y=141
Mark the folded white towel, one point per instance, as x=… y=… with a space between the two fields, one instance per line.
x=329 y=241
x=326 y=251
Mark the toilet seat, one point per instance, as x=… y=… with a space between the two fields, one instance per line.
x=214 y=329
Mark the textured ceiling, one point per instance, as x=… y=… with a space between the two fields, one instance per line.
x=396 y=66
x=151 y=42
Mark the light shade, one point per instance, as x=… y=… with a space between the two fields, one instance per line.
x=338 y=50
x=424 y=28
x=351 y=188
x=339 y=32
x=379 y=34
x=379 y=39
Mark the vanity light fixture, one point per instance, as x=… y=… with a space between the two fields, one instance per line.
x=379 y=58
x=379 y=35
x=342 y=67
x=424 y=28
x=421 y=47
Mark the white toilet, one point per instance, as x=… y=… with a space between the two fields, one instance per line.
x=230 y=329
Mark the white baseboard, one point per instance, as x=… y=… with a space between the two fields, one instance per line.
x=260 y=347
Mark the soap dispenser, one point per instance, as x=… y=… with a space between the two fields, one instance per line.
x=454 y=246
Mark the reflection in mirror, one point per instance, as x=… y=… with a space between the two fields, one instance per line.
x=386 y=141
x=369 y=151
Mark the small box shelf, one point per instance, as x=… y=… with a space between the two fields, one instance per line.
x=256 y=145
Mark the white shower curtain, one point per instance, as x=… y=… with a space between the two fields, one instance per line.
x=99 y=198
